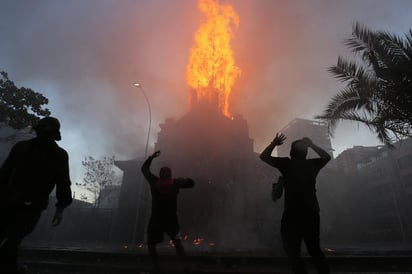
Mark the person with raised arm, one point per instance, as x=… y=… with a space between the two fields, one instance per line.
x=300 y=220
x=164 y=190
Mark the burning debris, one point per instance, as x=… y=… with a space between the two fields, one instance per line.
x=197 y=241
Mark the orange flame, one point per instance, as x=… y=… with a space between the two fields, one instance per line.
x=211 y=71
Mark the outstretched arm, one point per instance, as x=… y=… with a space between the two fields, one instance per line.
x=185 y=182
x=265 y=156
x=146 y=167
x=321 y=152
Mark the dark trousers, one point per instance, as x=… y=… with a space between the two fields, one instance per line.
x=15 y=224
x=298 y=227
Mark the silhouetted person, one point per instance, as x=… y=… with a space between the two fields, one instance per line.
x=28 y=175
x=300 y=220
x=163 y=219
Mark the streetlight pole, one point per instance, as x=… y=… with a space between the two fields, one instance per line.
x=145 y=156
x=150 y=116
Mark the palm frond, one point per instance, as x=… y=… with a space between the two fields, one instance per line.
x=343 y=70
x=362 y=38
x=373 y=47
x=408 y=37
x=378 y=92
x=348 y=71
x=395 y=47
x=379 y=126
x=374 y=124
x=346 y=101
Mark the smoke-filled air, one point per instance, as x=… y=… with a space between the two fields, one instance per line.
x=208 y=83
x=85 y=57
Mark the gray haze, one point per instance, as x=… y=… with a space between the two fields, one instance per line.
x=85 y=55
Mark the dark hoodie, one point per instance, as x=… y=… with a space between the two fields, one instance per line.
x=31 y=171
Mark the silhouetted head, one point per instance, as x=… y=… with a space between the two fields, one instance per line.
x=48 y=127
x=165 y=173
x=298 y=150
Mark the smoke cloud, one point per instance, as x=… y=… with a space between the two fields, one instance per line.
x=85 y=56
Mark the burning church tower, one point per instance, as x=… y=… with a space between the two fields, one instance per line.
x=210 y=144
x=208 y=132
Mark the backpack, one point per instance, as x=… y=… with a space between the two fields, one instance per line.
x=277 y=189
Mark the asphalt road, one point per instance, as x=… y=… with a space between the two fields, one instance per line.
x=81 y=261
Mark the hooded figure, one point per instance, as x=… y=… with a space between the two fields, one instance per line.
x=31 y=171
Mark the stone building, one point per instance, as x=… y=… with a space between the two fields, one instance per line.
x=232 y=186
x=376 y=194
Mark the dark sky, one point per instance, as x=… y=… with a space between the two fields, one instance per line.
x=85 y=55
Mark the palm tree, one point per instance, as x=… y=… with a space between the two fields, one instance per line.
x=378 y=91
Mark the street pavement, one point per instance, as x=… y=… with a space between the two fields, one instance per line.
x=46 y=260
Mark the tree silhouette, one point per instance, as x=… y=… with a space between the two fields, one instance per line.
x=378 y=90
x=99 y=175
x=20 y=107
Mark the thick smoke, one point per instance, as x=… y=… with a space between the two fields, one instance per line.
x=84 y=56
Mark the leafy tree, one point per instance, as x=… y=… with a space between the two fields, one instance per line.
x=378 y=91
x=99 y=175
x=20 y=107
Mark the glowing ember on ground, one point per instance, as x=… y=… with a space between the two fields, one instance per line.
x=211 y=71
x=197 y=241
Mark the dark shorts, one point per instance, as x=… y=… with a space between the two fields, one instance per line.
x=158 y=226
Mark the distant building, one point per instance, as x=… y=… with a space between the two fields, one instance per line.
x=378 y=192
x=388 y=177
x=232 y=185
x=351 y=160
x=299 y=128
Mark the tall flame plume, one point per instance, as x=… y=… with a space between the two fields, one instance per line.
x=211 y=71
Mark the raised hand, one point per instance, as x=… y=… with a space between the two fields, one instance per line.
x=156 y=154
x=279 y=139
